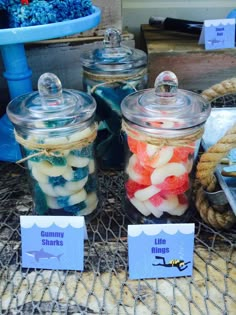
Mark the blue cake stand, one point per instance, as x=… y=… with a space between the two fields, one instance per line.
x=17 y=72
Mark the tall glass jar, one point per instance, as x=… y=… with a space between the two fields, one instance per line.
x=56 y=131
x=111 y=72
x=163 y=126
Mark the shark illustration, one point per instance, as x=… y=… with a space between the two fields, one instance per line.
x=215 y=41
x=41 y=254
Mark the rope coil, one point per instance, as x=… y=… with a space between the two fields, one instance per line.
x=205 y=177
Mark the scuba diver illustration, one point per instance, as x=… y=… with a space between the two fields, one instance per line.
x=180 y=264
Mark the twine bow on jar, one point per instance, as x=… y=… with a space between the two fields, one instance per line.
x=56 y=150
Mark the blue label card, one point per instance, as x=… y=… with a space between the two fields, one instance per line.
x=218 y=34
x=160 y=250
x=53 y=242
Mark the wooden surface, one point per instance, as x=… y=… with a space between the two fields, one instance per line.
x=196 y=68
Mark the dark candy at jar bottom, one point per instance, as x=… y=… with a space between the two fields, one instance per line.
x=136 y=217
x=62 y=212
x=110 y=151
x=109 y=142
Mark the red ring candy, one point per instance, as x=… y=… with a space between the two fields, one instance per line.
x=156 y=200
x=132 y=186
x=174 y=182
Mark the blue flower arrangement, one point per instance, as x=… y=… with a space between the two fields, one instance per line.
x=23 y=13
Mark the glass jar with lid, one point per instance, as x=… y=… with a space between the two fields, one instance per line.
x=56 y=131
x=110 y=72
x=163 y=126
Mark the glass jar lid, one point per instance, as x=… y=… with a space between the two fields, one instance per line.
x=112 y=56
x=165 y=107
x=51 y=107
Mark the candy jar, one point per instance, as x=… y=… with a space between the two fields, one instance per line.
x=163 y=126
x=111 y=72
x=56 y=131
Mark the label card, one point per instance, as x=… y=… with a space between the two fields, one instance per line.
x=53 y=242
x=218 y=34
x=160 y=250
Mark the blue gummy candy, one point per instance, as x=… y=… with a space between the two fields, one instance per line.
x=75 y=208
x=91 y=184
x=55 y=160
x=63 y=201
x=57 y=181
x=39 y=200
x=84 y=152
x=80 y=173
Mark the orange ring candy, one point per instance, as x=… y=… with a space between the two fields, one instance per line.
x=132 y=143
x=152 y=155
x=137 y=172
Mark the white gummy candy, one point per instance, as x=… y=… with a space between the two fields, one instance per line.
x=40 y=177
x=179 y=210
x=49 y=169
x=52 y=202
x=146 y=193
x=91 y=166
x=48 y=189
x=73 y=187
x=77 y=197
x=165 y=155
x=171 y=169
x=140 y=206
x=76 y=136
x=56 y=140
x=170 y=203
x=69 y=174
x=91 y=204
x=77 y=161
x=61 y=191
x=189 y=165
x=152 y=149
x=154 y=210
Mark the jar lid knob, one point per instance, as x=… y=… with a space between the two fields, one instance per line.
x=50 y=91
x=112 y=38
x=166 y=85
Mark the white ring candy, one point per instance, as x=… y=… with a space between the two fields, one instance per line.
x=171 y=169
